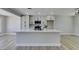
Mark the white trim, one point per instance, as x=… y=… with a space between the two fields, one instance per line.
x=1 y=35
x=76 y=34
x=39 y=44
x=10 y=33
x=67 y=33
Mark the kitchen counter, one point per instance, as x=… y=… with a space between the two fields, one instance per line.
x=39 y=31
x=38 y=38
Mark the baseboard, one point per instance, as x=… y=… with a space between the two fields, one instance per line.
x=1 y=35
x=67 y=34
x=76 y=34
x=70 y=34
x=10 y=33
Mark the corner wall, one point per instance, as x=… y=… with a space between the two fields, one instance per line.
x=64 y=24
x=13 y=24
x=3 y=20
x=76 y=25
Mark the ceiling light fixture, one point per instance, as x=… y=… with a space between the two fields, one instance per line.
x=76 y=11
x=29 y=8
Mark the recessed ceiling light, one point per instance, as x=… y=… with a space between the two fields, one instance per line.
x=76 y=11
x=39 y=13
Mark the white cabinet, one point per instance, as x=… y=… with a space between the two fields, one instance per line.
x=28 y=21
x=25 y=22
x=38 y=38
x=50 y=18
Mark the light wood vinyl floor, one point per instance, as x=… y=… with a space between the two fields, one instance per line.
x=68 y=42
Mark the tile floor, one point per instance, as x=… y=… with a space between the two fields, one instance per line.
x=68 y=41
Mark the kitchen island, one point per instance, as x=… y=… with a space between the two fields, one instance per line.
x=38 y=38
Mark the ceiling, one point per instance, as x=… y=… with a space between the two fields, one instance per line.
x=44 y=11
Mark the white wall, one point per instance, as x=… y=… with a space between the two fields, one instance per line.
x=13 y=24
x=64 y=24
x=2 y=23
x=76 y=25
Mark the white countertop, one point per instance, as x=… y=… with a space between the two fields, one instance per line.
x=54 y=30
x=38 y=38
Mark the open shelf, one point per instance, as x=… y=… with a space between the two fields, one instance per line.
x=50 y=24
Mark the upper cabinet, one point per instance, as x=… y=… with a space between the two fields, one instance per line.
x=50 y=18
x=46 y=22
